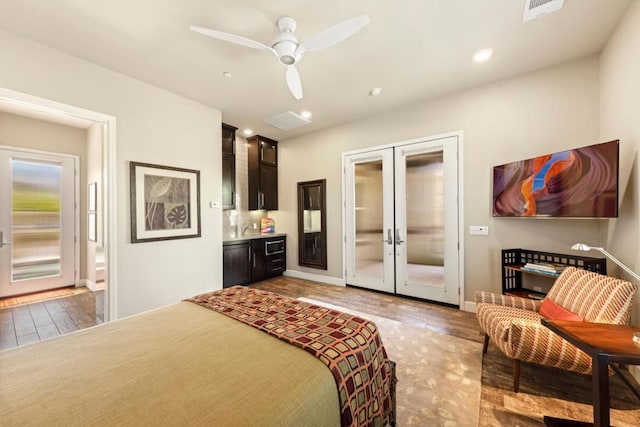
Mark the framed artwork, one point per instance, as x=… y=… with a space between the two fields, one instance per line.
x=93 y=197
x=92 y=226
x=165 y=202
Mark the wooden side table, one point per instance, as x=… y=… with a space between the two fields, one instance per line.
x=606 y=344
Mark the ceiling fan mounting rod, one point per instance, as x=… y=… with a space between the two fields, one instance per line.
x=285 y=44
x=286 y=24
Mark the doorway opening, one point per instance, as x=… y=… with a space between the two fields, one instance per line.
x=98 y=222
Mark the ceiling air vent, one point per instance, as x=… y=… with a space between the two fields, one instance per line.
x=536 y=8
x=287 y=120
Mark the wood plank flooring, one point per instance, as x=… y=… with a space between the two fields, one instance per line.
x=34 y=322
x=543 y=389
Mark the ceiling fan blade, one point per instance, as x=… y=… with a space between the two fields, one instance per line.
x=334 y=34
x=293 y=81
x=231 y=38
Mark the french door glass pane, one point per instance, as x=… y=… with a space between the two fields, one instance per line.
x=368 y=214
x=36 y=219
x=425 y=218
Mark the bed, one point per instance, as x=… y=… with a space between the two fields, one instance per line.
x=194 y=363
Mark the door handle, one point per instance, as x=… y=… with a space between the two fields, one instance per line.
x=389 y=239
x=398 y=239
x=2 y=242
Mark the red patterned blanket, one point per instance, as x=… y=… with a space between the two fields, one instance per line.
x=349 y=345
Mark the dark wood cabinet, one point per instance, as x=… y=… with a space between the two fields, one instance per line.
x=253 y=260
x=268 y=152
x=228 y=167
x=269 y=187
x=312 y=198
x=313 y=248
x=236 y=264
x=262 y=173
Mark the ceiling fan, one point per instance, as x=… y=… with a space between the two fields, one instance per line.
x=287 y=47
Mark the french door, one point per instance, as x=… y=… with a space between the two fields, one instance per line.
x=37 y=221
x=402 y=219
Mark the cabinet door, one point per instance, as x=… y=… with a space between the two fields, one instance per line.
x=228 y=167
x=312 y=197
x=228 y=182
x=235 y=264
x=268 y=152
x=258 y=260
x=228 y=139
x=312 y=249
x=268 y=188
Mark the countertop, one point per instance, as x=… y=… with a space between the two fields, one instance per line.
x=251 y=236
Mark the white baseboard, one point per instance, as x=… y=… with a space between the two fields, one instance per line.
x=315 y=277
x=470 y=306
x=89 y=284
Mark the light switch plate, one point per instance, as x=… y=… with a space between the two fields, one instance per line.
x=479 y=230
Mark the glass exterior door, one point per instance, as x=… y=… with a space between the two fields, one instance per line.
x=37 y=215
x=369 y=215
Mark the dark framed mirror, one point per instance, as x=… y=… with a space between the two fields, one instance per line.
x=312 y=224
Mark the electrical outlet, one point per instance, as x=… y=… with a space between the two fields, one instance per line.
x=537 y=289
x=479 y=230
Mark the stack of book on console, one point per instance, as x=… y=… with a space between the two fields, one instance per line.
x=544 y=268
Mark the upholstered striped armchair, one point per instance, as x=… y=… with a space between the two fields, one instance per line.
x=513 y=323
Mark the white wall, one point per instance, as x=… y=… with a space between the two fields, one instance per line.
x=153 y=126
x=538 y=113
x=620 y=119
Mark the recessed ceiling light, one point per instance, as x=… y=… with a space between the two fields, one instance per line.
x=226 y=74
x=375 y=91
x=306 y=114
x=482 y=55
x=247 y=132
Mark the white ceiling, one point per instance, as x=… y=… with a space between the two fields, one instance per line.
x=413 y=49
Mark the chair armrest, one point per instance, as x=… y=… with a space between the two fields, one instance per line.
x=507 y=301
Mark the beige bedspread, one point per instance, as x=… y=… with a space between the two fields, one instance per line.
x=179 y=365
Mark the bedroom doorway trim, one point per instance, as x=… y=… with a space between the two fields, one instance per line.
x=42 y=107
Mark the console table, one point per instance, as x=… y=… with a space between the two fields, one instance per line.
x=606 y=344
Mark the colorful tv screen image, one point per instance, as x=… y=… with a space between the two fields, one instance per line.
x=577 y=183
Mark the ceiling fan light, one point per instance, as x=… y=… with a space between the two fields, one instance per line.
x=285 y=46
x=287 y=59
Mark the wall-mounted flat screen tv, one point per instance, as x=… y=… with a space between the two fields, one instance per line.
x=577 y=183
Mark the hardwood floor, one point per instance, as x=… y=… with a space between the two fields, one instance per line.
x=37 y=321
x=543 y=389
x=438 y=318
